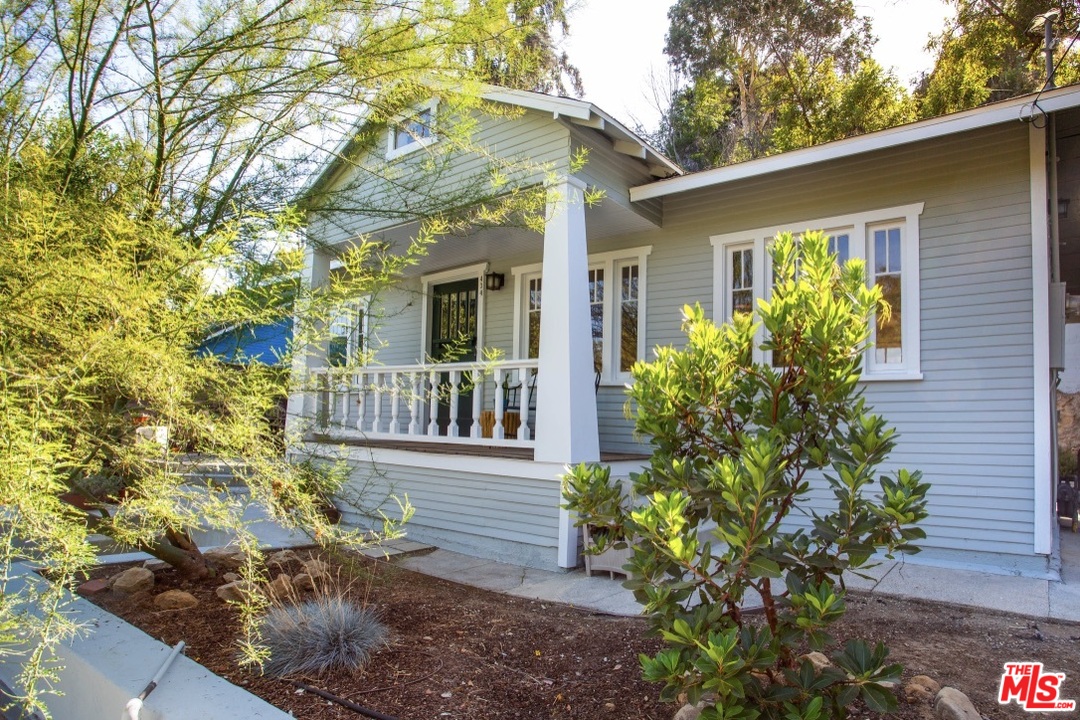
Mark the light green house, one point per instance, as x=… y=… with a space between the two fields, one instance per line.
x=951 y=215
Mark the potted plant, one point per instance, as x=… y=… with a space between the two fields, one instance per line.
x=600 y=506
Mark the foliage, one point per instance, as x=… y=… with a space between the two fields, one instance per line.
x=739 y=446
x=589 y=493
x=987 y=53
x=536 y=63
x=329 y=632
x=146 y=148
x=761 y=77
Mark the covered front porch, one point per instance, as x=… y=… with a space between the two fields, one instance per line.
x=473 y=393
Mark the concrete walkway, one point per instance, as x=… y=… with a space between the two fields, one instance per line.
x=1047 y=599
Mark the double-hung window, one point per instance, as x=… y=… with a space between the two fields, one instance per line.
x=887 y=240
x=616 y=285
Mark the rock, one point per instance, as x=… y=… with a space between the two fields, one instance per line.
x=93 y=587
x=921 y=689
x=690 y=712
x=818 y=660
x=282 y=557
x=153 y=565
x=927 y=682
x=917 y=694
x=235 y=591
x=303 y=581
x=230 y=577
x=280 y=587
x=316 y=568
x=133 y=580
x=175 y=600
x=951 y=704
x=226 y=557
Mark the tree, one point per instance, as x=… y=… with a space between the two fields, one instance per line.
x=537 y=64
x=721 y=514
x=145 y=144
x=989 y=52
x=761 y=77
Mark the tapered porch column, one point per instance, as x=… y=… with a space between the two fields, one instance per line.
x=566 y=431
x=302 y=405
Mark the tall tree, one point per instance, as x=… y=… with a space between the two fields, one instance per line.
x=143 y=143
x=538 y=63
x=762 y=76
x=990 y=52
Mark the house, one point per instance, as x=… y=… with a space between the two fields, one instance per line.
x=267 y=343
x=950 y=213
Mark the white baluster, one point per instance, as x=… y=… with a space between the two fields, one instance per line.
x=361 y=399
x=497 y=432
x=433 y=404
x=343 y=386
x=523 y=429
x=452 y=429
x=376 y=399
x=414 y=411
x=395 y=394
x=477 y=402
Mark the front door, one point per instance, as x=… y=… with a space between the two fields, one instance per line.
x=453 y=339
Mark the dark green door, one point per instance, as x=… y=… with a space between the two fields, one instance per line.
x=453 y=339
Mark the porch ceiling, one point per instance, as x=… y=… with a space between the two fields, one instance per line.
x=604 y=220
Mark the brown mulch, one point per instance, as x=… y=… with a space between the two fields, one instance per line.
x=461 y=652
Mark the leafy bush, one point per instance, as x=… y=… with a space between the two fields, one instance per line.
x=327 y=633
x=737 y=443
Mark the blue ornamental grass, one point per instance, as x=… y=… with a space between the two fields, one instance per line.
x=318 y=636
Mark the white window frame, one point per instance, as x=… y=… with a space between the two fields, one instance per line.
x=393 y=150
x=859 y=227
x=354 y=330
x=468 y=272
x=611 y=263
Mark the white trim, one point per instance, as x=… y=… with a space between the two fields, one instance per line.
x=610 y=262
x=1006 y=111
x=858 y=225
x=1042 y=466
x=477 y=270
x=392 y=151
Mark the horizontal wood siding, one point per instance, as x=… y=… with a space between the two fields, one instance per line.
x=395 y=192
x=499 y=516
x=968 y=424
x=614 y=173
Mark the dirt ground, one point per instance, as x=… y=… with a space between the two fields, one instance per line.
x=460 y=652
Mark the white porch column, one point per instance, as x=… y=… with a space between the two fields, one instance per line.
x=566 y=430
x=301 y=410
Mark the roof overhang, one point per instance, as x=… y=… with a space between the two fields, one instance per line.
x=578 y=112
x=1013 y=110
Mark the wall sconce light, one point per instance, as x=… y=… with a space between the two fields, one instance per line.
x=1063 y=207
x=494 y=281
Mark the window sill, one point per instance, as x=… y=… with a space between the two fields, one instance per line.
x=410 y=148
x=899 y=376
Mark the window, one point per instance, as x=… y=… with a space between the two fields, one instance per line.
x=887 y=239
x=348 y=335
x=412 y=133
x=616 y=311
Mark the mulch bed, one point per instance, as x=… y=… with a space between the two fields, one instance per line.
x=461 y=652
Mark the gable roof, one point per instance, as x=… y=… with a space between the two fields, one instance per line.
x=578 y=112
x=1012 y=110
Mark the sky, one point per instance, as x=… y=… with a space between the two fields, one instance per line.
x=618 y=44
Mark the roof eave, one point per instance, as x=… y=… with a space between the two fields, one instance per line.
x=985 y=116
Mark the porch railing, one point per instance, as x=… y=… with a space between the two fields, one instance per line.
x=464 y=402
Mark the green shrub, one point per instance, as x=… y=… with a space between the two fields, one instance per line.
x=738 y=442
